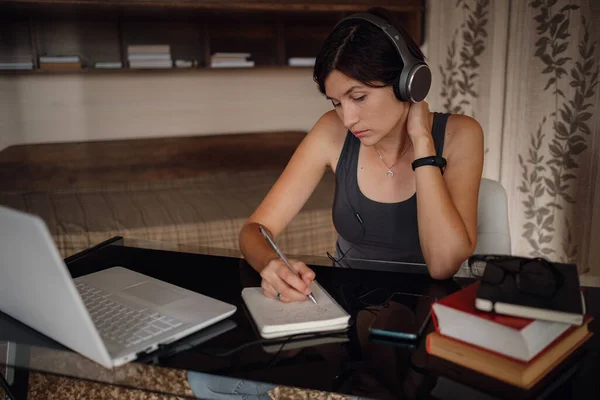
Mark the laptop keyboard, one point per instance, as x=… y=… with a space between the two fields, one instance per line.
x=119 y=323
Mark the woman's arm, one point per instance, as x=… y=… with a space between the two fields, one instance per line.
x=285 y=199
x=447 y=205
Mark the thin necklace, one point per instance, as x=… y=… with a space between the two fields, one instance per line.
x=389 y=169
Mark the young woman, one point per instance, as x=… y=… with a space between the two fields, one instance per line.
x=383 y=208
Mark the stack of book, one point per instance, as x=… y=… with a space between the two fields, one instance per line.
x=231 y=60
x=12 y=63
x=60 y=63
x=516 y=350
x=149 y=56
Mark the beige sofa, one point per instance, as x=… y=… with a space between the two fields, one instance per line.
x=187 y=190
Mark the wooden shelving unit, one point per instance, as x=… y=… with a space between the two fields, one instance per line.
x=101 y=30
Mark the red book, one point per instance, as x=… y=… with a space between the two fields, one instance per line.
x=522 y=339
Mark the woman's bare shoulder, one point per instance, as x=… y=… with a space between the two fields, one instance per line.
x=330 y=125
x=463 y=133
x=329 y=133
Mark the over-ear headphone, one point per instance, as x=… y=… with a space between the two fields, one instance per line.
x=415 y=79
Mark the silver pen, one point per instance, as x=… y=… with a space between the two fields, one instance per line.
x=282 y=256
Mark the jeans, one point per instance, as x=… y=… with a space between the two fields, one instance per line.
x=213 y=387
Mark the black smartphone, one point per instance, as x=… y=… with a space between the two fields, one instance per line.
x=403 y=317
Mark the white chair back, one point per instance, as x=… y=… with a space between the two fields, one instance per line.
x=493 y=231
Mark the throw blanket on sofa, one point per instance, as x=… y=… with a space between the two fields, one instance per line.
x=204 y=210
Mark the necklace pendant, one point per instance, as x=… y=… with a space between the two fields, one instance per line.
x=389 y=173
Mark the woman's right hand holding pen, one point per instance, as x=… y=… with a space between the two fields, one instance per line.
x=277 y=278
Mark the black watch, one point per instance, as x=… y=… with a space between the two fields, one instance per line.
x=436 y=161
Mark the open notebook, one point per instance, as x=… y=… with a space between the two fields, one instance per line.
x=276 y=319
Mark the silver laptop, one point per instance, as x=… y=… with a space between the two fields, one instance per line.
x=109 y=316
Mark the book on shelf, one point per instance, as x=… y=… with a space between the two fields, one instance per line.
x=13 y=66
x=144 y=56
x=186 y=63
x=521 y=374
x=229 y=56
x=149 y=56
x=301 y=61
x=16 y=61
x=60 y=59
x=565 y=304
x=108 y=65
x=231 y=60
x=232 y=64
x=164 y=64
x=149 y=49
x=455 y=316
x=60 y=66
x=274 y=318
x=62 y=62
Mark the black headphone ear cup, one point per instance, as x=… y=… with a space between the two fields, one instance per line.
x=418 y=83
x=413 y=86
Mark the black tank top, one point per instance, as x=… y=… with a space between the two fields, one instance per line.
x=388 y=231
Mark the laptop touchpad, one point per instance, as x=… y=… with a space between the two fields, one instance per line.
x=153 y=293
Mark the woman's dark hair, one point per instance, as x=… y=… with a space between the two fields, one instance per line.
x=363 y=52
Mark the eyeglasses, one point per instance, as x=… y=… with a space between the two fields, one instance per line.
x=535 y=276
x=338 y=260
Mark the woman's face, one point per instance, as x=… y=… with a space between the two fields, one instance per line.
x=369 y=113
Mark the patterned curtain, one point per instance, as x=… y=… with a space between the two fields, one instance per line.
x=528 y=72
